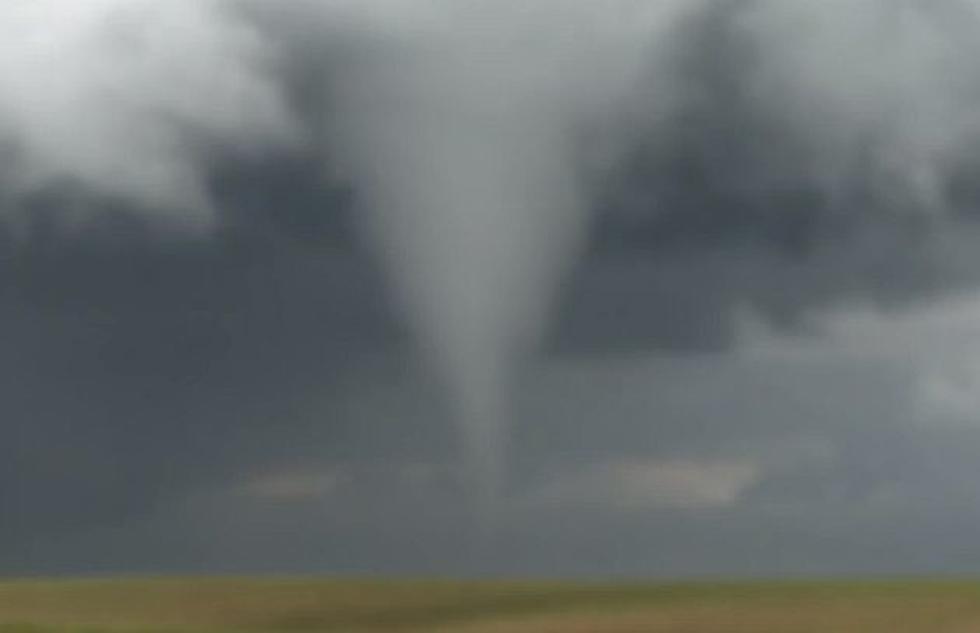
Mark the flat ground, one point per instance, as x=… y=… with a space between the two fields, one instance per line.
x=299 y=606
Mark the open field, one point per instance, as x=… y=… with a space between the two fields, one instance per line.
x=288 y=606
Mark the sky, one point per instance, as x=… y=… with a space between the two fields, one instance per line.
x=662 y=289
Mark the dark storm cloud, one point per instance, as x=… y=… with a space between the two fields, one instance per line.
x=731 y=199
x=720 y=202
x=725 y=202
x=136 y=367
x=849 y=479
x=146 y=374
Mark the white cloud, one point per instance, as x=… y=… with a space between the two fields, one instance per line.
x=920 y=332
x=293 y=485
x=949 y=389
x=842 y=73
x=640 y=484
x=128 y=97
x=312 y=482
x=937 y=343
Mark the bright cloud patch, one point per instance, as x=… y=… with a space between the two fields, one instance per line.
x=292 y=485
x=128 y=97
x=645 y=484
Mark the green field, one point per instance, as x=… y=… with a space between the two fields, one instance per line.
x=287 y=606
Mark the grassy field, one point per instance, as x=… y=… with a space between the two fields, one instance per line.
x=299 y=606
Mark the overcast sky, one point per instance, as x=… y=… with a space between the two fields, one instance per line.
x=762 y=356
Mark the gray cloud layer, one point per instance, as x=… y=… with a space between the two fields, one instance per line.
x=805 y=157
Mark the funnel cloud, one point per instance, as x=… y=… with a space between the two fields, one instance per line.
x=463 y=130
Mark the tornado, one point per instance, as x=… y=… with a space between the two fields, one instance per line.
x=465 y=129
